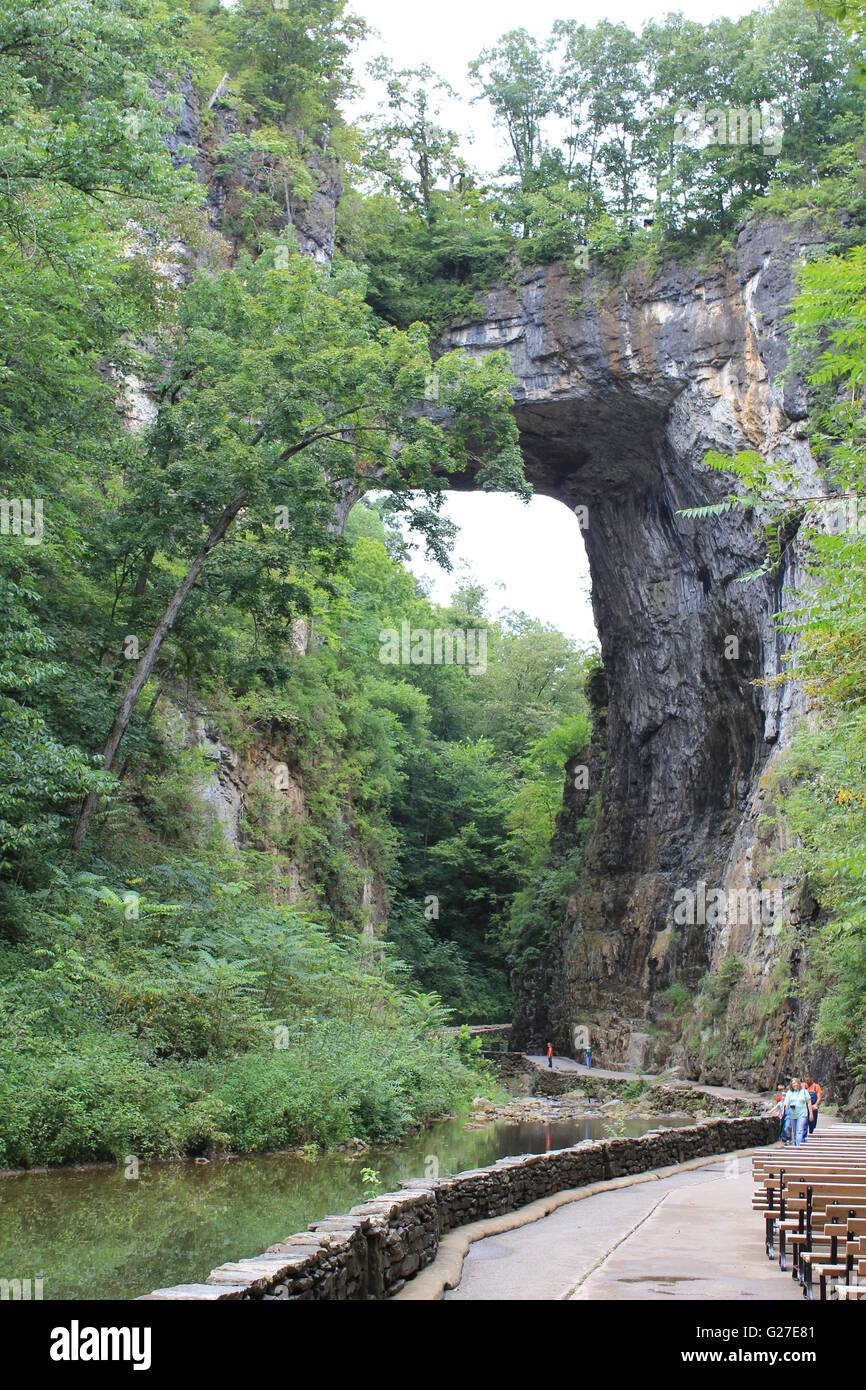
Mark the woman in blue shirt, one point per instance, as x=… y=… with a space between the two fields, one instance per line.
x=798 y=1106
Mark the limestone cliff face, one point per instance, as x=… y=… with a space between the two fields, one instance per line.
x=623 y=387
x=624 y=384
x=257 y=799
x=200 y=139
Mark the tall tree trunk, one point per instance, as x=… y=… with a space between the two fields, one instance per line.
x=149 y=657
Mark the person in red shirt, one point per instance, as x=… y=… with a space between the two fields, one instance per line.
x=550 y=1055
x=815 y=1094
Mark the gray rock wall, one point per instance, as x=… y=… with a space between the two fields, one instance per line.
x=198 y=144
x=230 y=781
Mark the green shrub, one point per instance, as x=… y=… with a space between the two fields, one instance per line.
x=92 y=1098
x=676 y=998
x=635 y=1089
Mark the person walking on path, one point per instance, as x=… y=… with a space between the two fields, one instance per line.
x=799 y=1107
x=815 y=1093
x=784 y=1118
x=550 y=1055
x=588 y=1057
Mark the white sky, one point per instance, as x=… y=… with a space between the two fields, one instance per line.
x=448 y=34
x=529 y=558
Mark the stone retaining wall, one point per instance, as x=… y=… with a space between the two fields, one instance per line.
x=370 y=1252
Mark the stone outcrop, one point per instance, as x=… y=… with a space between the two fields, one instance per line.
x=229 y=781
x=255 y=798
x=624 y=385
x=371 y=1251
x=201 y=144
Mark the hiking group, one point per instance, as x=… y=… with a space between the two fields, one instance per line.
x=798 y=1110
x=587 y=1060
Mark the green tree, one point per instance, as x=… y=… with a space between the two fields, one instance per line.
x=284 y=394
x=515 y=77
x=39 y=775
x=291 y=60
x=406 y=136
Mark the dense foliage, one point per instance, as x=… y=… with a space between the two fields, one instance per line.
x=168 y=995
x=162 y=989
x=619 y=145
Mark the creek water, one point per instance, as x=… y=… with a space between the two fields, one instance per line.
x=95 y=1233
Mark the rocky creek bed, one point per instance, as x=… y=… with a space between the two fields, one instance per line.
x=556 y=1098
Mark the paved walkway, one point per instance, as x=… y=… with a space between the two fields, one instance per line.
x=568 y=1064
x=689 y=1235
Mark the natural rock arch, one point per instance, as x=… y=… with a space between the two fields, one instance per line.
x=623 y=387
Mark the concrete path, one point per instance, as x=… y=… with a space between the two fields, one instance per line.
x=701 y=1242
x=691 y=1234
x=570 y=1065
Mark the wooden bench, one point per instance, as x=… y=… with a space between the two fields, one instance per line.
x=846 y=1252
x=768 y=1180
x=818 y=1241
x=813 y=1200
x=853 y=1291
x=796 y=1192
x=843 y=1155
x=803 y=1201
x=768 y=1170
